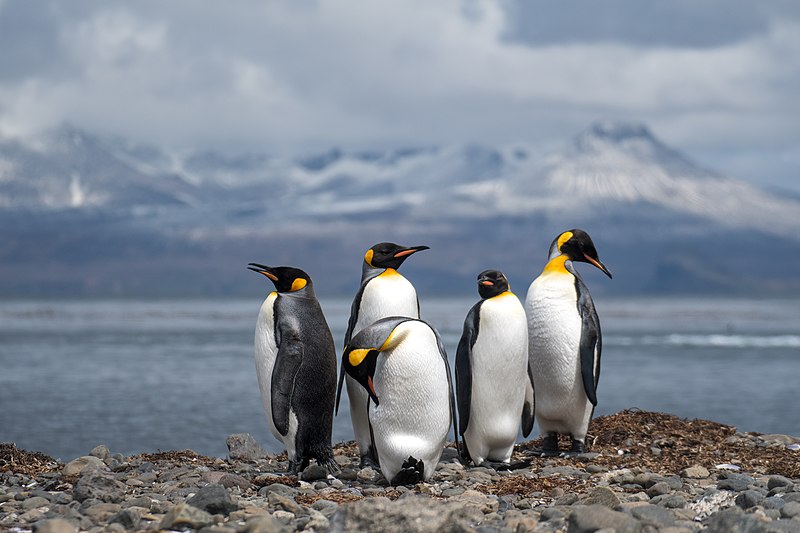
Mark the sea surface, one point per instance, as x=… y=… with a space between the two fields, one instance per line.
x=142 y=376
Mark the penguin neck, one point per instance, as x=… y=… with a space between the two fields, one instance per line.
x=557 y=265
x=369 y=272
x=305 y=292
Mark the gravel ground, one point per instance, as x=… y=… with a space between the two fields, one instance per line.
x=644 y=472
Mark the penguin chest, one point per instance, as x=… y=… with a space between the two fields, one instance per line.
x=554 y=325
x=266 y=351
x=413 y=416
x=498 y=365
x=389 y=294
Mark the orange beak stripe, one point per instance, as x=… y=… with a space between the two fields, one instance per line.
x=371 y=386
x=404 y=253
x=487 y=283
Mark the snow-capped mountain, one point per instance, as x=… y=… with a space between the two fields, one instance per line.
x=156 y=207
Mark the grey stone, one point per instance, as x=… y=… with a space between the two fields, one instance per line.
x=99 y=487
x=748 y=499
x=101 y=512
x=653 y=515
x=602 y=496
x=773 y=502
x=566 y=499
x=279 y=501
x=35 y=503
x=314 y=472
x=280 y=488
x=214 y=499
x=234 y=480
x=326 y=507
x=590 y=518
x=735 y=482
x=101 y=452
x=76 y=466
x=670 y=501
x=410 y=514
x=243 y=447
x=368 y=475
x=658 y=489
x=778 y=481
x=551 y=514
x=790 y=510
x=263 y=524
x=54 y=525
x=695 y=472
x=184 y=516
x=128 y=518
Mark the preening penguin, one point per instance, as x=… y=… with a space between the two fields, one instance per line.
x=492 y=376
x=401 y=365
x=296 y=367
x=384 y=292
x=564 y=342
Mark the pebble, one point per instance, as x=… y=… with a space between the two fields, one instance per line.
x=252 y=494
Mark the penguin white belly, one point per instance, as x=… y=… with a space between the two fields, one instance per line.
x=266 y=352
x=499 y=376
x=554 y=341
x=413 y=417
x=389 y=294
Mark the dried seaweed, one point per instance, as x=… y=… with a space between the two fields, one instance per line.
x=17 y=461
x=667 y=444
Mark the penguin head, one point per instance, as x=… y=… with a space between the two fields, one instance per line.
x=389 y=254
x=286 y=279
x=577 y=246
x=361 y=355
x=491 y=283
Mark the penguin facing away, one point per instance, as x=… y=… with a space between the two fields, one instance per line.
x=383 y=292
x=493 y=385
x=296 y=367
x=564 y=342
x=402 y=366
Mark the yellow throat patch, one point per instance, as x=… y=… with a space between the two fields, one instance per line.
x=557 y=265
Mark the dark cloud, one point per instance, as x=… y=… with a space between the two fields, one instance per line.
x=712 y=77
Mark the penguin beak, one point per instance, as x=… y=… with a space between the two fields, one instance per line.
x=598 y=264
x=262 y=269
x=410 y=250
x=360 y=364
x=487 y=283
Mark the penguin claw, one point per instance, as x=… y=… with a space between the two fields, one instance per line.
x=330 y=464
x=368 y=460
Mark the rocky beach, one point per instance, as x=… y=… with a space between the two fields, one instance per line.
x=644 y=472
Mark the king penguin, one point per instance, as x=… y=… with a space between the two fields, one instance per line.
x=401 y=365
x=384 y=292
x=493 y=384
x=564 y=342
x=296 y=367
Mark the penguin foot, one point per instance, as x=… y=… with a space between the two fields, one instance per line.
x=295 y=467
x=330 y=464
x=516 y=465
x=577 y=448
x=411 y=473
x=549 y=446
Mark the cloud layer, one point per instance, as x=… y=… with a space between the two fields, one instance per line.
x=294 y=75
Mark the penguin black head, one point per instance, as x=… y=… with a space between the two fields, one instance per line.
x=491 y=283
x=389 y=254
x=361 y=355
x=286 y=279
x=577 y=246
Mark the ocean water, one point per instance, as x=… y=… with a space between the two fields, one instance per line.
x=160 y=375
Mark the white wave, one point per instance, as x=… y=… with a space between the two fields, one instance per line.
x=708 y=340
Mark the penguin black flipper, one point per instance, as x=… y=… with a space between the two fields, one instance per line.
x=287 y=364
x=464 y=366
x=528 y=408
x=367 y=275
x=591 y=341
x=453 y=413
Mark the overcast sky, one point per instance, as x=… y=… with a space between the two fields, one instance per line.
x=718 y=79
